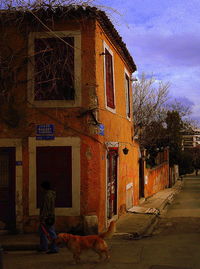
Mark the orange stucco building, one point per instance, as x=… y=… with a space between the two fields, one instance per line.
x=66 y=116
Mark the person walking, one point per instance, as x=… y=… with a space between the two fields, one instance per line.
x=47 y=219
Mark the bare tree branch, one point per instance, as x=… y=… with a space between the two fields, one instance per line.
x=149 y=97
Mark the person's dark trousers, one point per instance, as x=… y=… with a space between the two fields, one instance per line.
x=44 y=242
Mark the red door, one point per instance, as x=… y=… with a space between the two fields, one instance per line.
x=7 y=187
x=112 y=182
x=55 y=165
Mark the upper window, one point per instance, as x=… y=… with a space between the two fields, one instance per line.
x=54 y=69
x=127 y=92
x=109 y=79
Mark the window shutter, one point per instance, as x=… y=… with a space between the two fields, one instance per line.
x=109 y=80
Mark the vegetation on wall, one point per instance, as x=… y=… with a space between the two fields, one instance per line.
x=32 y=16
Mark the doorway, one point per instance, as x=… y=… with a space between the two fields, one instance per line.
x=7 y=188
x=112 y=168
x=141 y=178
x=54 y=163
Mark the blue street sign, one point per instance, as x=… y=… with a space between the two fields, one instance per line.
x=18 y=163
x=101 y=129
x=45 y=129
x=45 y=137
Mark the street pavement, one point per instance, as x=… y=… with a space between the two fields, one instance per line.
x=134 y=225
x=139 y=220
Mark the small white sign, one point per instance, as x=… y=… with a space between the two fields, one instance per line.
x=146 y=180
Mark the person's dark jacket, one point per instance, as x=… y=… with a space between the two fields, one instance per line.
x=47 y=209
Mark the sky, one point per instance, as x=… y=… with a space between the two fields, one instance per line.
x=163 y=37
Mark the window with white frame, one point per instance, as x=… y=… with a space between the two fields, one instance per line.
x=109 y=77
x=54 y=68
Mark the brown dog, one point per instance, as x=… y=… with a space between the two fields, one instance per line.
x=76 y=244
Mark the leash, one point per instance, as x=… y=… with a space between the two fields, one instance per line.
x=45 y=232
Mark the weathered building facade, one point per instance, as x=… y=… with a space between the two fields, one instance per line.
x=66 y=117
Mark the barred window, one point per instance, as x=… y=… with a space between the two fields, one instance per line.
x=54 y=69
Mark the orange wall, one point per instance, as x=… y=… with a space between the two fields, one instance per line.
x=156 y=179
x=68 y=123
x=117 y=127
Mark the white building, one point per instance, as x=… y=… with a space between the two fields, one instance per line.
x=190 y=139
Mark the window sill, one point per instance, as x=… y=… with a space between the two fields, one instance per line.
x=113 y=110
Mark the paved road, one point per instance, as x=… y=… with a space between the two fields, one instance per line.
x=188 y=202
x=174 y=245
x=183 y=216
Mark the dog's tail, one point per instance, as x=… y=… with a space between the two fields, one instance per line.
x=109 y=233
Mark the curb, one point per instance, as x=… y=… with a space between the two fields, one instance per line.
x=175 y=190
x=136 y=235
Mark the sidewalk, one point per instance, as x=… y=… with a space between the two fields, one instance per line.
x=140 y=219
x=134 y=225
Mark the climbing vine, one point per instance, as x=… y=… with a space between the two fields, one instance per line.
x=51 y=69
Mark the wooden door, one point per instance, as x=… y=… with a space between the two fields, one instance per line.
x=7 y=187
x=54 y=164
x=112 y=182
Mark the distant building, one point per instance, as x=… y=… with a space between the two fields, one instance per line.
x=190 y=139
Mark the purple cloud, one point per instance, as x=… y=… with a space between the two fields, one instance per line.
x=164 y=39
x=174 y=50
